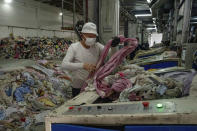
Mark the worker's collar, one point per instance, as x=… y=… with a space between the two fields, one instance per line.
x=84 y=45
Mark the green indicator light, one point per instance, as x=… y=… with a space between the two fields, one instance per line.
x=159 y=105
x=160 y=109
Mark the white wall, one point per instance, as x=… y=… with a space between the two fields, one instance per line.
x=155 y=37
x=32 y=18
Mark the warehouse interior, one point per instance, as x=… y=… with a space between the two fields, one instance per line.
x=98 y=65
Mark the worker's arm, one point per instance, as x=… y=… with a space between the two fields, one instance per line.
x=68 y=61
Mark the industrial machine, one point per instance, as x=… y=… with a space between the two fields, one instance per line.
x=188 y=50
x=82 y=110
x=156 y=62
x=160 y=63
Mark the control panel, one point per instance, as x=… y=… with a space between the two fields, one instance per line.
x=143 y=107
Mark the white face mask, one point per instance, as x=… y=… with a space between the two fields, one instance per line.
x=90 y=41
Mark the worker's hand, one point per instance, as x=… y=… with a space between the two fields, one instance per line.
x=89 y=67
x=115 y=41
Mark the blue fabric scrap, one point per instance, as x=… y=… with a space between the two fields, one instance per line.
x=161 y=89
x=1 y=73
x=9 y=91
x=29 y=82
x=19 y=92
x=2 y=114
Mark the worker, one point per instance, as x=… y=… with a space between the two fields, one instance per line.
x=82 y=56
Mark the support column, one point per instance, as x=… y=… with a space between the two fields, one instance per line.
x=140 y=32
x=132 y=30
x=186 y=21
x=84 y=10
x=175 y=20
x=108 y=19
x=91 y=8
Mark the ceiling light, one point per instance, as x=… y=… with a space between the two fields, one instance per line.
x=61 y=14
x=8 y=1
x=151 y=28
x=193 y=22
x=149 y=1
x=194 y=18
x=143 y=15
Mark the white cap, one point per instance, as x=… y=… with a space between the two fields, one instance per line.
x=89 y=28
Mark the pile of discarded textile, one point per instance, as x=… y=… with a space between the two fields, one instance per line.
x=164 y=55
x=130 y=82
x=34 y=48
x=155 y=51
x=147 y=86
x=27 y=95
x=169 y=54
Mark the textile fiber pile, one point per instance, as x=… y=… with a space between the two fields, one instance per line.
x=29 y=94
x=34 y=48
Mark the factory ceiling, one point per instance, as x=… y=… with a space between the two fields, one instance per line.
x=137 y=7
x=68 y=4
x=132 y=6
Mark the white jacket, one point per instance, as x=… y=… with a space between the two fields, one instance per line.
x=76 y=56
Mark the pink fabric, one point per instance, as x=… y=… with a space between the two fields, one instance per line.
x=101 y=59
x=102 y=88
x=106 y=50
x=121 y=84
x=42 y=62
x=16 y=56
x=121 y=74
x=134 y=97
